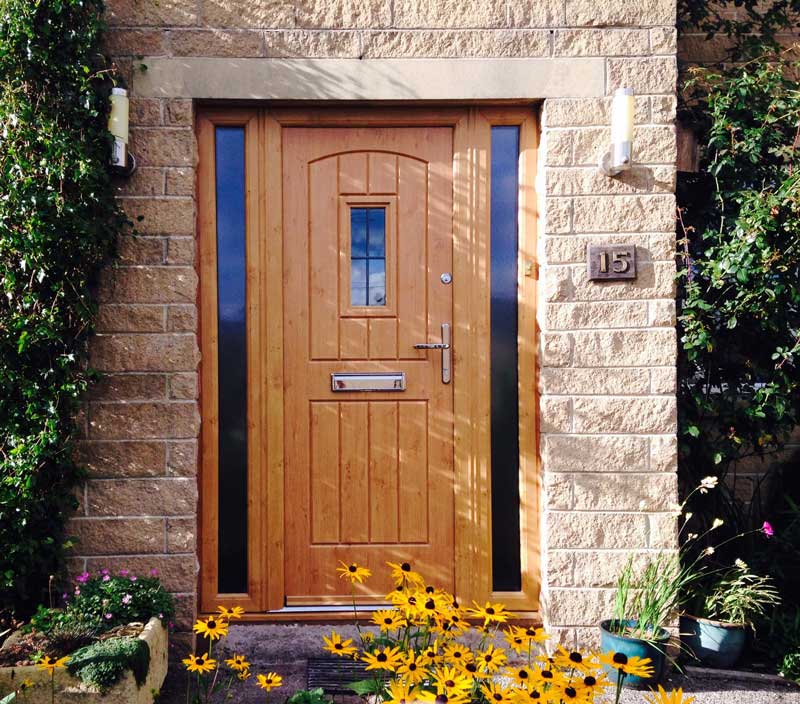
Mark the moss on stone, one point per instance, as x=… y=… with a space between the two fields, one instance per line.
x=102 y=664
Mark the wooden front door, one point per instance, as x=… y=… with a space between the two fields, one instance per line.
x=368 y=248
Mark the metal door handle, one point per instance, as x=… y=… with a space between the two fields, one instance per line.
x=444 y=346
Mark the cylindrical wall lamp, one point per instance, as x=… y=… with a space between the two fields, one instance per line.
x=118 y=126
x=619 y=157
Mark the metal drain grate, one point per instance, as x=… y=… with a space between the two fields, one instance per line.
x=333 y=676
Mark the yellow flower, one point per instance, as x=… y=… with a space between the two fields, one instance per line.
x=531 y=634
x=457 y=654
x=367 y=637
x=496 y=693
x=387 y=619
x=568 y=691
x=233 y=612
x=200 y=664
x=269 y=681
x=633 y=666
x=454 y=697
x=544 y=677
x=521 y=675
x=238 y=663
x=212 y=628
x=353 y=572
x=243 y=675
x=337 y=646
x=490 y=613
x=27 y=683
x=515 y=641
x=51 y=664
x=491 y=659
x=411 y=669
x=594 y=683
x=431 y=654
x=383 y=659
x=573 y=661
x=526 y=696
x=449 y=680
x=674 y=696
x=403 y=574
x=399 y=693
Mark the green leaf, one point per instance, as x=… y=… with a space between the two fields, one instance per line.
x=365 y=687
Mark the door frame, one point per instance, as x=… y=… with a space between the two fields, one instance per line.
x=471 y=126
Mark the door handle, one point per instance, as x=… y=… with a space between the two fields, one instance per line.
x=444 y=346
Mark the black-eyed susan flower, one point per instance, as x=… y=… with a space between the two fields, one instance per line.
x=491 y=659
x=593 y=683
x=270 y=681
x=567 y=691
x=212 y=628
x=526 y=696
x=496 y=694
x=353 y=572
x=457 y=654
x=400 y=692
x=544 y=677
x=228 y=614
x=532 y=634
x=388 y=620
x=515 y=641
x=472 y=670
x=51 y=664
x=200 y=663
x=337 y=646
x=674 y=696
x=411 y=670
x=633 y=666
x=454 y=697
x=490 y=613
x=573 y=660
x=387 y=658
x=431 y=655
x=522 y=675
x=402 y=574
x=243 y=675
x=238 y=663
x=450 y=680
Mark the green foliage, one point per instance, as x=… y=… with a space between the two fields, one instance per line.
x=102 y=664
x=739 y=597
x=309 y=696
x=106 y=600
x=58 y=223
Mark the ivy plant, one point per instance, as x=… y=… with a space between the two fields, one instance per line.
x=58 y=224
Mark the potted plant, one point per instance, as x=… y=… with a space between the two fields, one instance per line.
x=717 y=636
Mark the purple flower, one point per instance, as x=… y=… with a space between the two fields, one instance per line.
x=133 y=578
x=104 y=571
x=109 y=616
x=767 y=529
x=82 y=578
x=77 y=591
x=106 y=578
x=154 y=572
x=124 y=573
x=127 y=599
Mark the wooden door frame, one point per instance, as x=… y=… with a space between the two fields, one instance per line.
x=471 y=345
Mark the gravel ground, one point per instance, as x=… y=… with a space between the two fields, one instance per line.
x=284 y=648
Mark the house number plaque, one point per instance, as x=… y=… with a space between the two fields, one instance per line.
x=611 y=262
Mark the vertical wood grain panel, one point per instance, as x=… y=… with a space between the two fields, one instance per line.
x=323 y=255
x=383 y=418
x=353 y=338
x=383 y=338
x=382 y=173
x=413 y=471
x=354 y=518
x=324 y=472
x=353 y=173
x=411 y=257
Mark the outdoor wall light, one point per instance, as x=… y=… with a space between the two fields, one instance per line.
x=118 y=126
x=618 y=158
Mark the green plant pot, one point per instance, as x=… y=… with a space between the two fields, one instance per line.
x=656 y=650
x=713 y=643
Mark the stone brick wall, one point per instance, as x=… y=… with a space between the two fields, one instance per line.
x=607 y=376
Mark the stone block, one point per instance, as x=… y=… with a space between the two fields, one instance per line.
x=303 y=43
x=556 y=350
x=558 y=568
x=572 y=249
x=149 y=285
x=558 y=147
x=570 y=529
x=160 y=216
x=587 y=180
x=650 y=213
x=228 y=43
x=140 y=250
x=180 y=181
x=578 y=112
x=572 y=607
x=663 y=40
x=456 y=43
x=147 y=420
x=180 y=251
x=644 y=75
x=653 y=280
x=181 y=535
x=624 y=492
x=557 y=491
x=664 y=453
x=663 y=108
x=124 y=536
x=543 y=13
x=663 y=313
x=601 y=314
x=601 y=568
x=144 y=112
x=135 y=42
x=143 y=182
x=564 y=382
x=182 y=458
x=662 y=531
x=624 y=348
x=160 y=146
x=156 y=13
x=152 y=352
x=555 y=414
x=582 y=453
x=123 y=459
x=652 y=144
x=590 y=13
x=558 y=215
x=662 y=246
x=142 y=497
x=253 y=15
x=354 y=14
x=118 y=387
x=182 y=318
x=439 y=14
x=125 y=317
x=625 y=415
x=179 y=112
x=557 y=283
x=183 y=386
x=178 y=573
x=601 y=42
x=664 y=380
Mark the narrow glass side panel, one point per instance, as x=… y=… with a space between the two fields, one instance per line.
x=232 y=360
x=506 y=569
x=368 y=256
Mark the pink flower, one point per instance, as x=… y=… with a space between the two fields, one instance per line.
x=133 y=578
x=154 y=572
x=127 y=599
x=82 y=578
x=106 y=578
x=77 y=591
x=767 y=529
x=109 y=616
x=124 y=573
x=104 y=571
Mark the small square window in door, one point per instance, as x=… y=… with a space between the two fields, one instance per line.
x=367 y=257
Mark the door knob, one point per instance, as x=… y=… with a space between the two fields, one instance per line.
x=444 y=346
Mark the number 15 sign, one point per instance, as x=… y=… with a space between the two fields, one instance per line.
x=611 y=262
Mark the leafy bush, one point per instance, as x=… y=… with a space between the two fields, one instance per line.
x=58 y=224
x=102 y=664
x=739 y=597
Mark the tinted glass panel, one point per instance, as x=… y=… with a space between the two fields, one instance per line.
x=368 y=256
x=506 y=568
x=232 y=361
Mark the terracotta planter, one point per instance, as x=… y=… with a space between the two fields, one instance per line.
x=71 y=690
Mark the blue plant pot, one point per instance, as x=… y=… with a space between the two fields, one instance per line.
x=713 y=643
x=656 y=650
